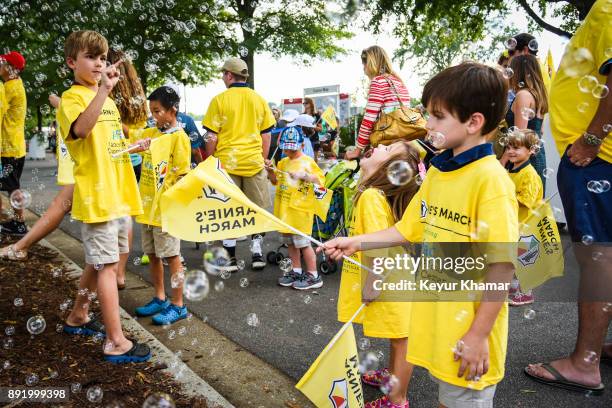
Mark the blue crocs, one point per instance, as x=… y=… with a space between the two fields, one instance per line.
x=170 y=315
x=92 y=328
x=137 y=354
x=153 y=307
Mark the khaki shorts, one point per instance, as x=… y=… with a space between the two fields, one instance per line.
x=104 y=241
x=159 y=243
x=296 y=240
x=256 y=188
x=453 y=396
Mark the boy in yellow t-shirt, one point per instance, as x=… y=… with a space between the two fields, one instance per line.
x=294 y=177
x=466 y=197
x=13 y=136
x=529 y=192
x=163 y=164
x=105 y=192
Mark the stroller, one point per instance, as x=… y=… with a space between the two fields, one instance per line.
x=342 y=178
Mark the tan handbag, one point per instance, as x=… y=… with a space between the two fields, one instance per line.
x=404 y=123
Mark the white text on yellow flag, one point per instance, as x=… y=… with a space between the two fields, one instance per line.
x=333 y=379
x=540 y=253
x=194 y=209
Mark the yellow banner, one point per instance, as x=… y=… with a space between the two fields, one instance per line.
x=550 y=65
x=540 y=251
x=206 y=205
x=329 y=116
x=333 y=380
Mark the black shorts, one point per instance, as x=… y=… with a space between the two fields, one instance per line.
x=11 y=173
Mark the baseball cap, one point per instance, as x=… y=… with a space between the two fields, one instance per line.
x=291 y=139
x=290 y=115
x=236 y=66
x=303 y=120
x=15 y=59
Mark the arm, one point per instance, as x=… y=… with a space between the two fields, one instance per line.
x=270 y=169
x=523 y=100
x=338 y=247
x=211 y=143
x=197 y=155
x=265 y=141
x=372 y=110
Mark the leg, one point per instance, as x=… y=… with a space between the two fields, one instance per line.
x=49 y=221
x=176 y=267
x=78 y=315
x=294 y=255
x=400 y=368
x=123 y=257
x=109 y=304
x=157 y=275
x=310 y=259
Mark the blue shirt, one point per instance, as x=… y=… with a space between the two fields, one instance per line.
x=189 y=126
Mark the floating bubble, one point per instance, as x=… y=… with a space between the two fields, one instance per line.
x=596 y=255
x=182 y=331
x=219 y=286
x=443 y=22
x=9 y=330
x=215 y=260
x=176 y=281
x=399 y=173
x=307 y=299
x=533 y=45
x=607 y=128
x=8 y=343
x=461 y=315
x=510 y=43
x=527 y=113
x=240 y=264
x=20 y=199
x=36 y=324
x=473 y=10
x=317 y=329
x=248 y=24
x=244 y=282
x=389 y=384
x=503 y=141
x=18 y=302
x=508 y=73
x=607 y=308
x=148 y=45
x=547 y=172
x=285 y=265
x=31 y=380
x=600 y=91
x=587 y=83
x=591 y=357
x=6 y=365
x=595 y=186
x=605 y=185
x=437 y=139
x=521 y=84
x=252 y=320
x=196 y=285
x=582 y=107
x=577 y=62
x=171 y=334
x=159 y=400
x=243 y=51
x=364 y=343
x=367 y=362
x=529 y=314
x=274 y=22
x=95 y=394
x=75 y=388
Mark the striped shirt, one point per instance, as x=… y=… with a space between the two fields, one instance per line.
x=380 y=96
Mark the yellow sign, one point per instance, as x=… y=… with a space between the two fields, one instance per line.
x=329 y=116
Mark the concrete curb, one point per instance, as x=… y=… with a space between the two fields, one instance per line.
x=193 y=385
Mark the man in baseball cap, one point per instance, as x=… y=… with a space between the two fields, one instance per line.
x=237 y=67
x=14 y=59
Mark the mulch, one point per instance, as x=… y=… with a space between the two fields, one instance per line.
x=61 y=360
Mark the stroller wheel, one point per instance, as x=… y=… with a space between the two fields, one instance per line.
x=326 y=267
x=271 y=257
x=278 y=258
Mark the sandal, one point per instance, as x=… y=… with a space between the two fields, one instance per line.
x=137 y=354
x=92 y=328
x=375 y=378
x=384 y=402
x=12 y=254
x=561 y=382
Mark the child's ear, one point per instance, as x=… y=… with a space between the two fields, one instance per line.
x=70 y=62
x=475 y=123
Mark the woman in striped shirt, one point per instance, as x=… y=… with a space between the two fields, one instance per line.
x=386 y=88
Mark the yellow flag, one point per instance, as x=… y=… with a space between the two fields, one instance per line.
x=322 y=199
x=550 y=65
x=333 y=380
x=197 y=209
x=540 y=253
x=329 y=116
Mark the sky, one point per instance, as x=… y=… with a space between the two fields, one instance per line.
x=277 y=79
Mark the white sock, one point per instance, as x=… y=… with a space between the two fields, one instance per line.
x=314 y=274
x=229 y=243
x=297 y=270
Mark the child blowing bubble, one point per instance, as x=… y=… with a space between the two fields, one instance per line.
x=379 y=203
x=296 y=173
x=522 y=146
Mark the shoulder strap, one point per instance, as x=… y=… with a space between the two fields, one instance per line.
x=390 y=81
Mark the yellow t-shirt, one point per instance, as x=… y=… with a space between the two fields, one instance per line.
x=291 y=202
x=529 y=190
x=380 y=319
x=13 y=124
x=239 y=116
x=449 y=207
x=163 y=164
x=572 y=110
x=65 y=164
x=2 y=108
x=105 y=187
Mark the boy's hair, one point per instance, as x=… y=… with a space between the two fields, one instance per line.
x=468 y=88
x=527 y=75
x=128 y=93
x=85 y=40
x=166 y=96
x=398 y=197
x=523 y=138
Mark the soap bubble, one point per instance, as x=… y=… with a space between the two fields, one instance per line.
x=587 y=83
x=8 y=343
x=595 y=186
x=20 y=199
x=591 y=357
x=18 y=302
x=473 y=10
x=252 y=320
x=317 y=329
x=577 y=62
x=219 y=286
x=31 y=379
x=274 y=22
x=75 y=388
x=171 y=334
x=529 y=314
x=600 y=91
x=240 y=264
x=368 y=361
x=503 y=141
x=399 y=173
x=389 y=384
x=582 y=107
x=533 y=45
x=176 y=281
x=508 y=73
x=158 y=400
x=527 y=113
x=285 y=265
x=244 y=282
x=548 y=172
x=248 y=24
x=605 y=185
x=307 y=299
x=510 y=43
x=196 y=285
x=215 y=260
x=437 y=139
x=364 y=343
x=9 y=330
x=587 y=239
x=94 y=394
x=36 y=324
x=596 y=255
x=243 y=51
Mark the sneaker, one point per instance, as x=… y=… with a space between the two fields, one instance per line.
x=153 y=307
x=171 y=314
x=258 y=262
x=384 y=402
x=375 y=378
x=231 y=266
x=307 y=281
x=289 y=278
x=14 y=228
x=520 y=299
x=137 y=354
